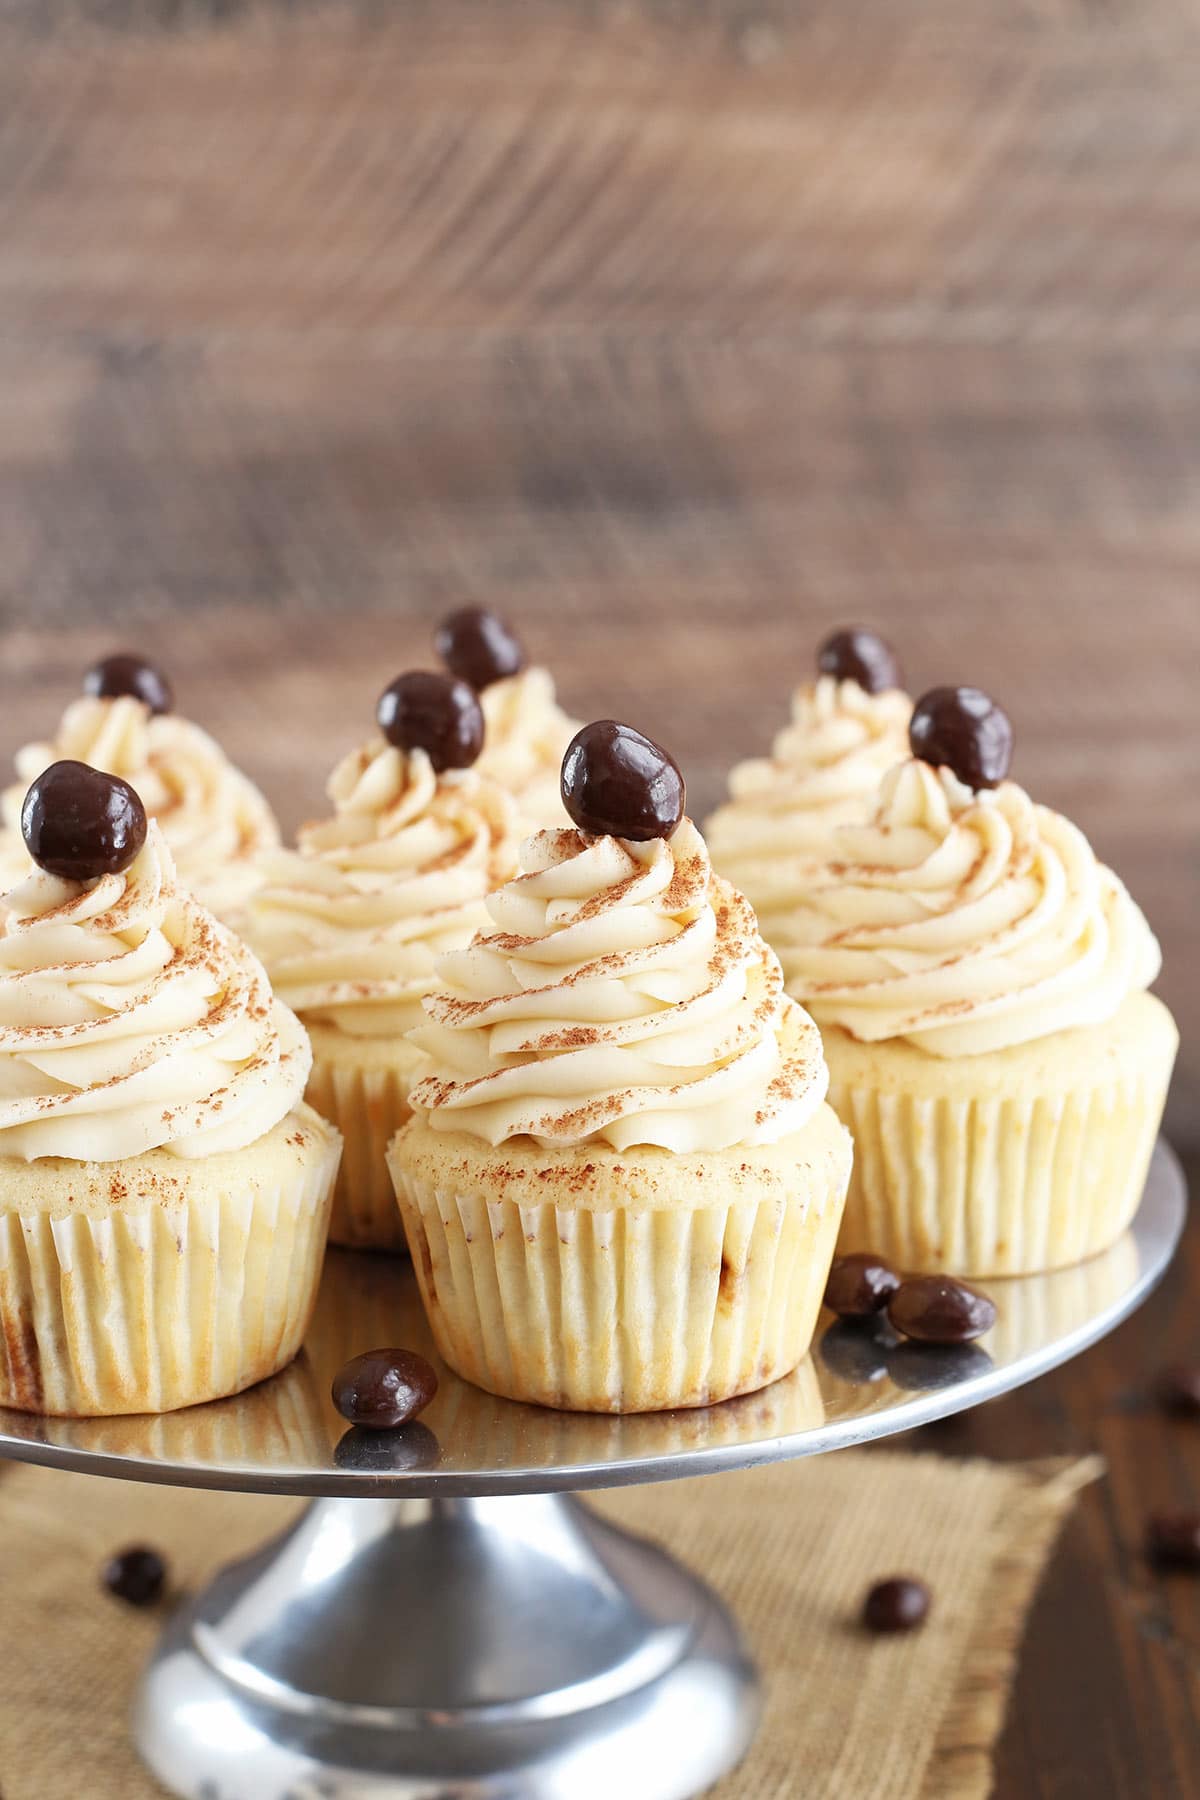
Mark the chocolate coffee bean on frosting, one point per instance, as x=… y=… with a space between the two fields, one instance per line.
x=617 y=783
x=478 y=647
x=936 y=1309
x=862 y=656
x=439 y=714
x=115 y=677
x=79 y=823
x=963 y=730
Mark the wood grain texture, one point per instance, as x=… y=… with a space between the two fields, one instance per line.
x=683 y=332
x=1107 y=1698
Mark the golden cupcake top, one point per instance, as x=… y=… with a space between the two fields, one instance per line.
x=623 y=995
x=351 y=922
x=847 y=729
x=527 y=731
x=961 y=916
x=212 y=816
x=130 y=1020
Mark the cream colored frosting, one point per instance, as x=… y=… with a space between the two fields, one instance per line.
x=625 y=997
x=527 y=733
x=963 y=922
x=824 y=769
x=350 y=924
x=214 y=819
x=130 y=1021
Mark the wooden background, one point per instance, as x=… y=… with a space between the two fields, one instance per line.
x=682 y=332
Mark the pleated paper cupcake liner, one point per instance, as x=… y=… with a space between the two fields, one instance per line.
x=368 y=1105
x=622 y=1309
x=132 y=1308
x=1001 y=1185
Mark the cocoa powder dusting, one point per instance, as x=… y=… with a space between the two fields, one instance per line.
x=595 y=904
x=687 y=877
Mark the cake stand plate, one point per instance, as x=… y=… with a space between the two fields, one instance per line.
x=446 y=1622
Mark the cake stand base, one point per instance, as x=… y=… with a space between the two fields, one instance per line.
x=515 y=1648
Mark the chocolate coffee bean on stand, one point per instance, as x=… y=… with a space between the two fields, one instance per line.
x=962 y=729
x=382 y=1389
x=80 y=824
x=617 y=783
x=936 y=1309
x=862 y=656
x=438 y=714
x=478 y=647
x=122 y=675
x=898 y=1604
x=137 y=1575
x=859 y=1285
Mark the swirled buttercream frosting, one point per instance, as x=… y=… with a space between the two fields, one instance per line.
x=623 y=997
x=350 y=923
x=825 y=768
x=963 y=921
x=214 y=819
x=130 y=1020
x=527 y=733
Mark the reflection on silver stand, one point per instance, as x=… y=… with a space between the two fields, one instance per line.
x=441 y=1625
x=430 y=1649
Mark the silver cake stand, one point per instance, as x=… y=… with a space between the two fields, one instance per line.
x=445 y=1622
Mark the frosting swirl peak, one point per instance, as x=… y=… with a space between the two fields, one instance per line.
x=825 y=767
x=963 y=921
x=213 y=817
x=526 y=737
x=350 y=923
x=130 y=1020
x=625 y=997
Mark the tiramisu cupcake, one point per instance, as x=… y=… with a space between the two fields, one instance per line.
x=527 y=731
x=848 y=728
x=621 y=1183
x=980 y=982
x=215 y=821
x=350 y=923
x=164 y=1191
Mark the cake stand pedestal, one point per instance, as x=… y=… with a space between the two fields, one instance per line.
x=446 y=1621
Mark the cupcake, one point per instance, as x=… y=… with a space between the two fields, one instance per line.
x=349 y=925
x=980 y=982
x=164 y=1190
x=848 y=728
x=527 y=731
x=621 y=1183
x=215 y=821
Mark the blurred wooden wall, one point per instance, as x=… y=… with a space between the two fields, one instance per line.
x=681 y=331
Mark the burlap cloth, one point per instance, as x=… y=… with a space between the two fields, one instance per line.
x=791 y=1547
